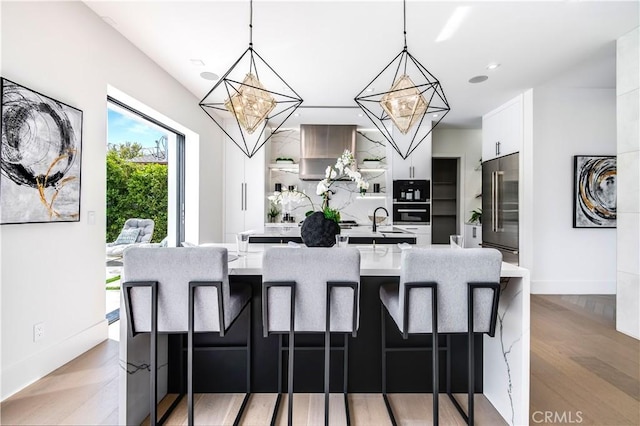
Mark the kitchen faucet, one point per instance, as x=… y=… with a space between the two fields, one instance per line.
x=374 y=216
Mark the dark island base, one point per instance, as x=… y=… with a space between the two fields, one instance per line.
x=224 y=370
x=275 y=239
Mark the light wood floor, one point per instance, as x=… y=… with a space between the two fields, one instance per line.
x=308 y=409
x=82 y=392
x=579 y=363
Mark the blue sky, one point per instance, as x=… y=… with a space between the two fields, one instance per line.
x=123 y=128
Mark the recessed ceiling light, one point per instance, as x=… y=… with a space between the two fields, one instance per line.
x=361 y=115
x=296 y=114
x=492 y=66
x=197 y=62
x=209 y=75
x=478 y=79
x=435 y=115
x=370 y=89
x=453 y=23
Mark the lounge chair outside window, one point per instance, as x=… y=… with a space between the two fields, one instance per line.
x=144 y=234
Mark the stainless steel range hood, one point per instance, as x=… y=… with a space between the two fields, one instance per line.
x=321 y=145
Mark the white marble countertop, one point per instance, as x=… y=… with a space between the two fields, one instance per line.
x=378 y=260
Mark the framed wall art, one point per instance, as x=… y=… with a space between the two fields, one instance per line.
x=594 y=191
x=40 y=157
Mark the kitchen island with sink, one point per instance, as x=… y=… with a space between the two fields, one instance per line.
x=502 y=372
x=357 y=235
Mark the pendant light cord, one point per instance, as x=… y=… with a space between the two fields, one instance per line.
x=251 y=23
x=404 y=9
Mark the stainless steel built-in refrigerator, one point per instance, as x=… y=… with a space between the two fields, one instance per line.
x=500 y=206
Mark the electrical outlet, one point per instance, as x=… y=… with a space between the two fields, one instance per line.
x=38 y=331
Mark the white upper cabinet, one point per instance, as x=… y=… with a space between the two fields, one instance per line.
x=502 y=130
x=418 y=164
x=244 y=190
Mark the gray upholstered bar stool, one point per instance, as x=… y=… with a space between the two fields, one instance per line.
x=182 y=290
x=443 y=291
x=310 y=290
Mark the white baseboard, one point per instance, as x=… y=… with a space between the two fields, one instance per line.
x=27 y=371
x=573 y=287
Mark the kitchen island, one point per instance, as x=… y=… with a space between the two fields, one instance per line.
x=503 y=378
x=357 y=235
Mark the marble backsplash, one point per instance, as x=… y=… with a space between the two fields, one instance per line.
x=352 y=205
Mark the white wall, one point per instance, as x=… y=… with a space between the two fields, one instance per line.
x=467 y=145
x=628 y=267
x=568 y=122
x=54 y=273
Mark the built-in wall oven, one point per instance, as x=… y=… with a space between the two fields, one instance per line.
x=411 y=202
x=411 y=214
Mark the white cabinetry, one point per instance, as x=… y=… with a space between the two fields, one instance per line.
x=418 y=164
x=422 y=233
x=502 y=130
x=472 y=235
x=244 y=193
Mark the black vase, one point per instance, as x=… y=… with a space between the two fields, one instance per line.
x=317 y=231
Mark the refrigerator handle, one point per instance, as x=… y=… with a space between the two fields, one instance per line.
x=493 y=201
x=499 y=213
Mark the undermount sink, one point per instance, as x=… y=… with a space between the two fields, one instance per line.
x=387 y=231
x=391 y=230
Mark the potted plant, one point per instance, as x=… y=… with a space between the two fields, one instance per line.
x=345 y=167
x=273 y=213
x=320 y=227
x=284 y=160
x=372 y=162
x=476 y=216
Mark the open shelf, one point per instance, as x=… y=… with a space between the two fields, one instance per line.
x=284 y=166
x=445 y=199
x=372 y=169
x=372 y=196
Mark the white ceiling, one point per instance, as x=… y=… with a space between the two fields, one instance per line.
x=328 y=51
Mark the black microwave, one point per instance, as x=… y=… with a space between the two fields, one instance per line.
x=411 y=191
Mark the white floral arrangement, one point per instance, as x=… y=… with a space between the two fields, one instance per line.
x=345 y=167
x=289 y=198
x=286 y=197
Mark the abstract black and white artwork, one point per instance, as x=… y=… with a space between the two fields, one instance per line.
x=39 y=157
x=594 y=191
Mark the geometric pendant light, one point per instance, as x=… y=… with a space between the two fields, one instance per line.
x=404 y=103
x=251 y=103
x=250 y=96
x=411 y=100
